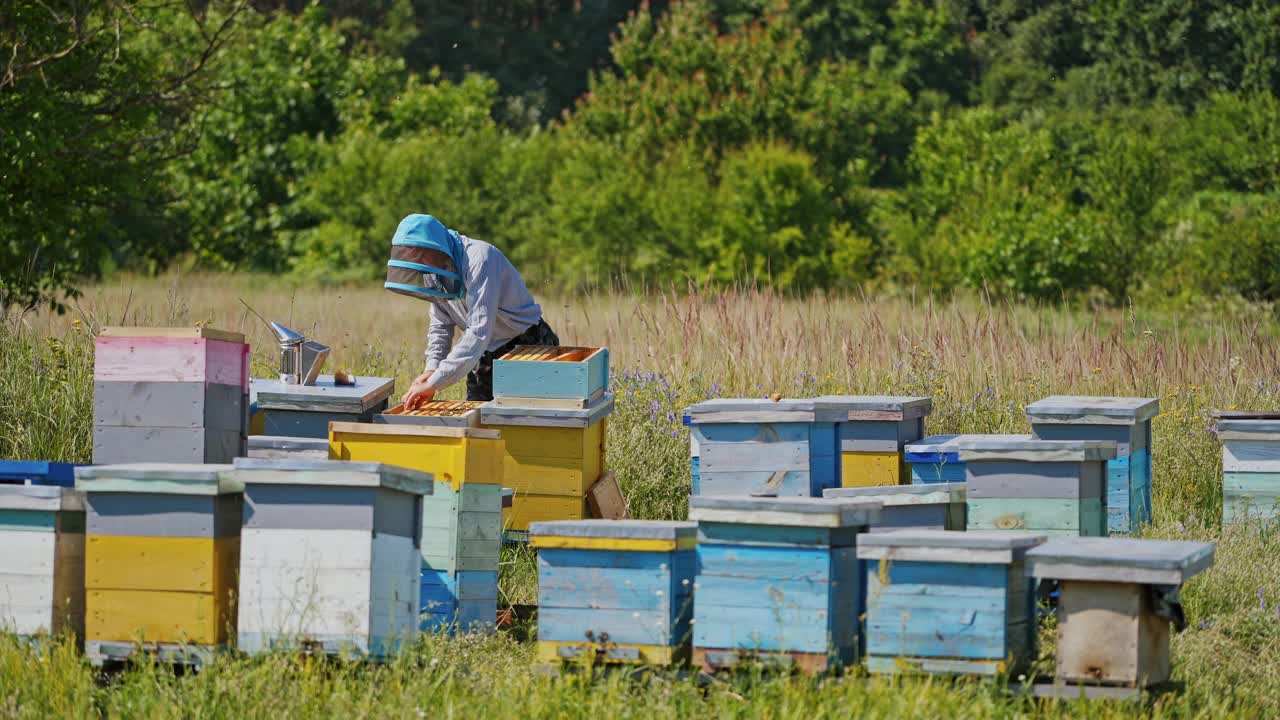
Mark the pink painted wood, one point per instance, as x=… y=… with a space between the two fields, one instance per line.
x=156 y=359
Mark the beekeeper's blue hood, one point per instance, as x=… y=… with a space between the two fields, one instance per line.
x=407 y=275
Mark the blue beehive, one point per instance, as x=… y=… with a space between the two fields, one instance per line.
x=1250 y=464
x=762 y=447
x=936 y=459
x=778 y=581
x=695 y=462
x=37 y=472
x=945 y=602
x=1122 y=420
x=616 y=591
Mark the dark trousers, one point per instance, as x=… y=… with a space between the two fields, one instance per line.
x=480 y=380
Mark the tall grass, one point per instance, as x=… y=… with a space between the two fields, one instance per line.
x=981 y=362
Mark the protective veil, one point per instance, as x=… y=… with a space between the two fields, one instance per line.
x=407 y=274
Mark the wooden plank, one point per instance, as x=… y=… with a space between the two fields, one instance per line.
x=755 y=410
x=715 y=533
x=125 y=359
x=763 y=483
x=156 y=616
x=413 y=431
x=867 y=469
x=526 y=508
x=1093 y=409
x=501 y=417
x=790 y=511
x=168 y=404
x=163 y=515
x=1030 y=513
x=611 y=653
x=735 y=457
x=639 y=627
x=621 y=544
x=1109 y=634
x=192 y=565
x=189 y=333
x=369 y=394
x=113 y=445
x=764 y=628
x=611 y=588
x=1064 y=481
x=605 y=500
x=1120 y=560
x=158 y=478
x=548 y=475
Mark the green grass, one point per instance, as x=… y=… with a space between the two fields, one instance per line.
x=981 y=363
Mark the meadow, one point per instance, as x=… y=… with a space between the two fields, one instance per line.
x=981 y=361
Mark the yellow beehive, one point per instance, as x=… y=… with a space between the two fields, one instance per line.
x=455 y=455
x=162 y=553
x=552 y=458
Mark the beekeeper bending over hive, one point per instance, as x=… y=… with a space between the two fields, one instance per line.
x=472 y=287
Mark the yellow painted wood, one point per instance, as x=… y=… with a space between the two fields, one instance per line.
x=871 y=469
x=200 y=565
x=546 y=476
x=549 y=652
x=622 y=544
x=552 y=461
x=572 y=443
x=526 y=509
x=157 y=616
x=452 y=459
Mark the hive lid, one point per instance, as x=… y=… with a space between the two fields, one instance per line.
x=785 y=511
x=1153 y=562
x=949 y=443
x=284 y=442
x=548 y=417
x=324 y=396
x=947 y=546
x=1030 y=449
x=1245 y=414
x=163 y=478
x=890 y=495
x=1089 y=410
x=614 y=535
x=301 y=471
x=46 y=498
x=182 y=333
x=1243 y=429
x=763 y=410
x=376 y=428
x=880 y=407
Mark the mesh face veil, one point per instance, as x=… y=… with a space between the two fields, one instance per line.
x=425 y=260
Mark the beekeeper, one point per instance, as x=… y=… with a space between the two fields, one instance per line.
x=473 y=288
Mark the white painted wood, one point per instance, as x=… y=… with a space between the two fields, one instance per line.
x=1093 y=410
x=1250 y=456
x=880 y=407
x=40 y=498
x=302 y=471
x=395 y=587
x=934 y=554
x=28 y=552
x=777 y=456
x=788 y=511
x=175 y=478
x=280 y=548
x=760 y=410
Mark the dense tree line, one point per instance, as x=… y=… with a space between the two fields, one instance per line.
x=1036 y=149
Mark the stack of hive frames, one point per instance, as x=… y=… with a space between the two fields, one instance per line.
x=162 y=552
x=873 y=434
x=330 y=556
x=1057 y=487
x=778 y=581
x=549 y=376
x=1118 y=597
x=936 y=459
x=932 y=506
x=461 y=519
x=618 y=590
x=307 y=410
x=762 y=447
x=1250 y=464
x=174 y=395
x=42 y=567
x=1123 y=420
x=37 y=472
x=552 y=458
x=439 y=413
x=946 y=602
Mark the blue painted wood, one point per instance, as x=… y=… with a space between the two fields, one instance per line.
x=920 y=578
x=643 y=627
x=756 y=591
x=768 y=562
x=751 y=432
x=951 y=641
x=695 y=475
x=713 y=533
x=766 y=628
x=680 y=561
x=550 y=379
x=764 y=482
x=931 y=473
x=38 y=472
x=608 y=588
x=28 y=520
x=931 y=458
x=299 y=423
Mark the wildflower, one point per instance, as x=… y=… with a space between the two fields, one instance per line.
x=1262 y=600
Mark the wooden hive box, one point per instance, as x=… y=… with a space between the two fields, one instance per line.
x=531 y=375
x=1118 y=598
x=461 y=519
x=762 y=447
x=307 y=410
x=173 y=395
x=553 y=457
x=38 y=472
x=936 y=459
x=1057 y=487
x=873 y=435
x=945 y=602
x=162 y=548
x=778 y=581
x=42 y=567
x=1250 y=465
x=330 y=560
x=275 y=447
x=1122 y=420
x=935 y=506
x=615 y=591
